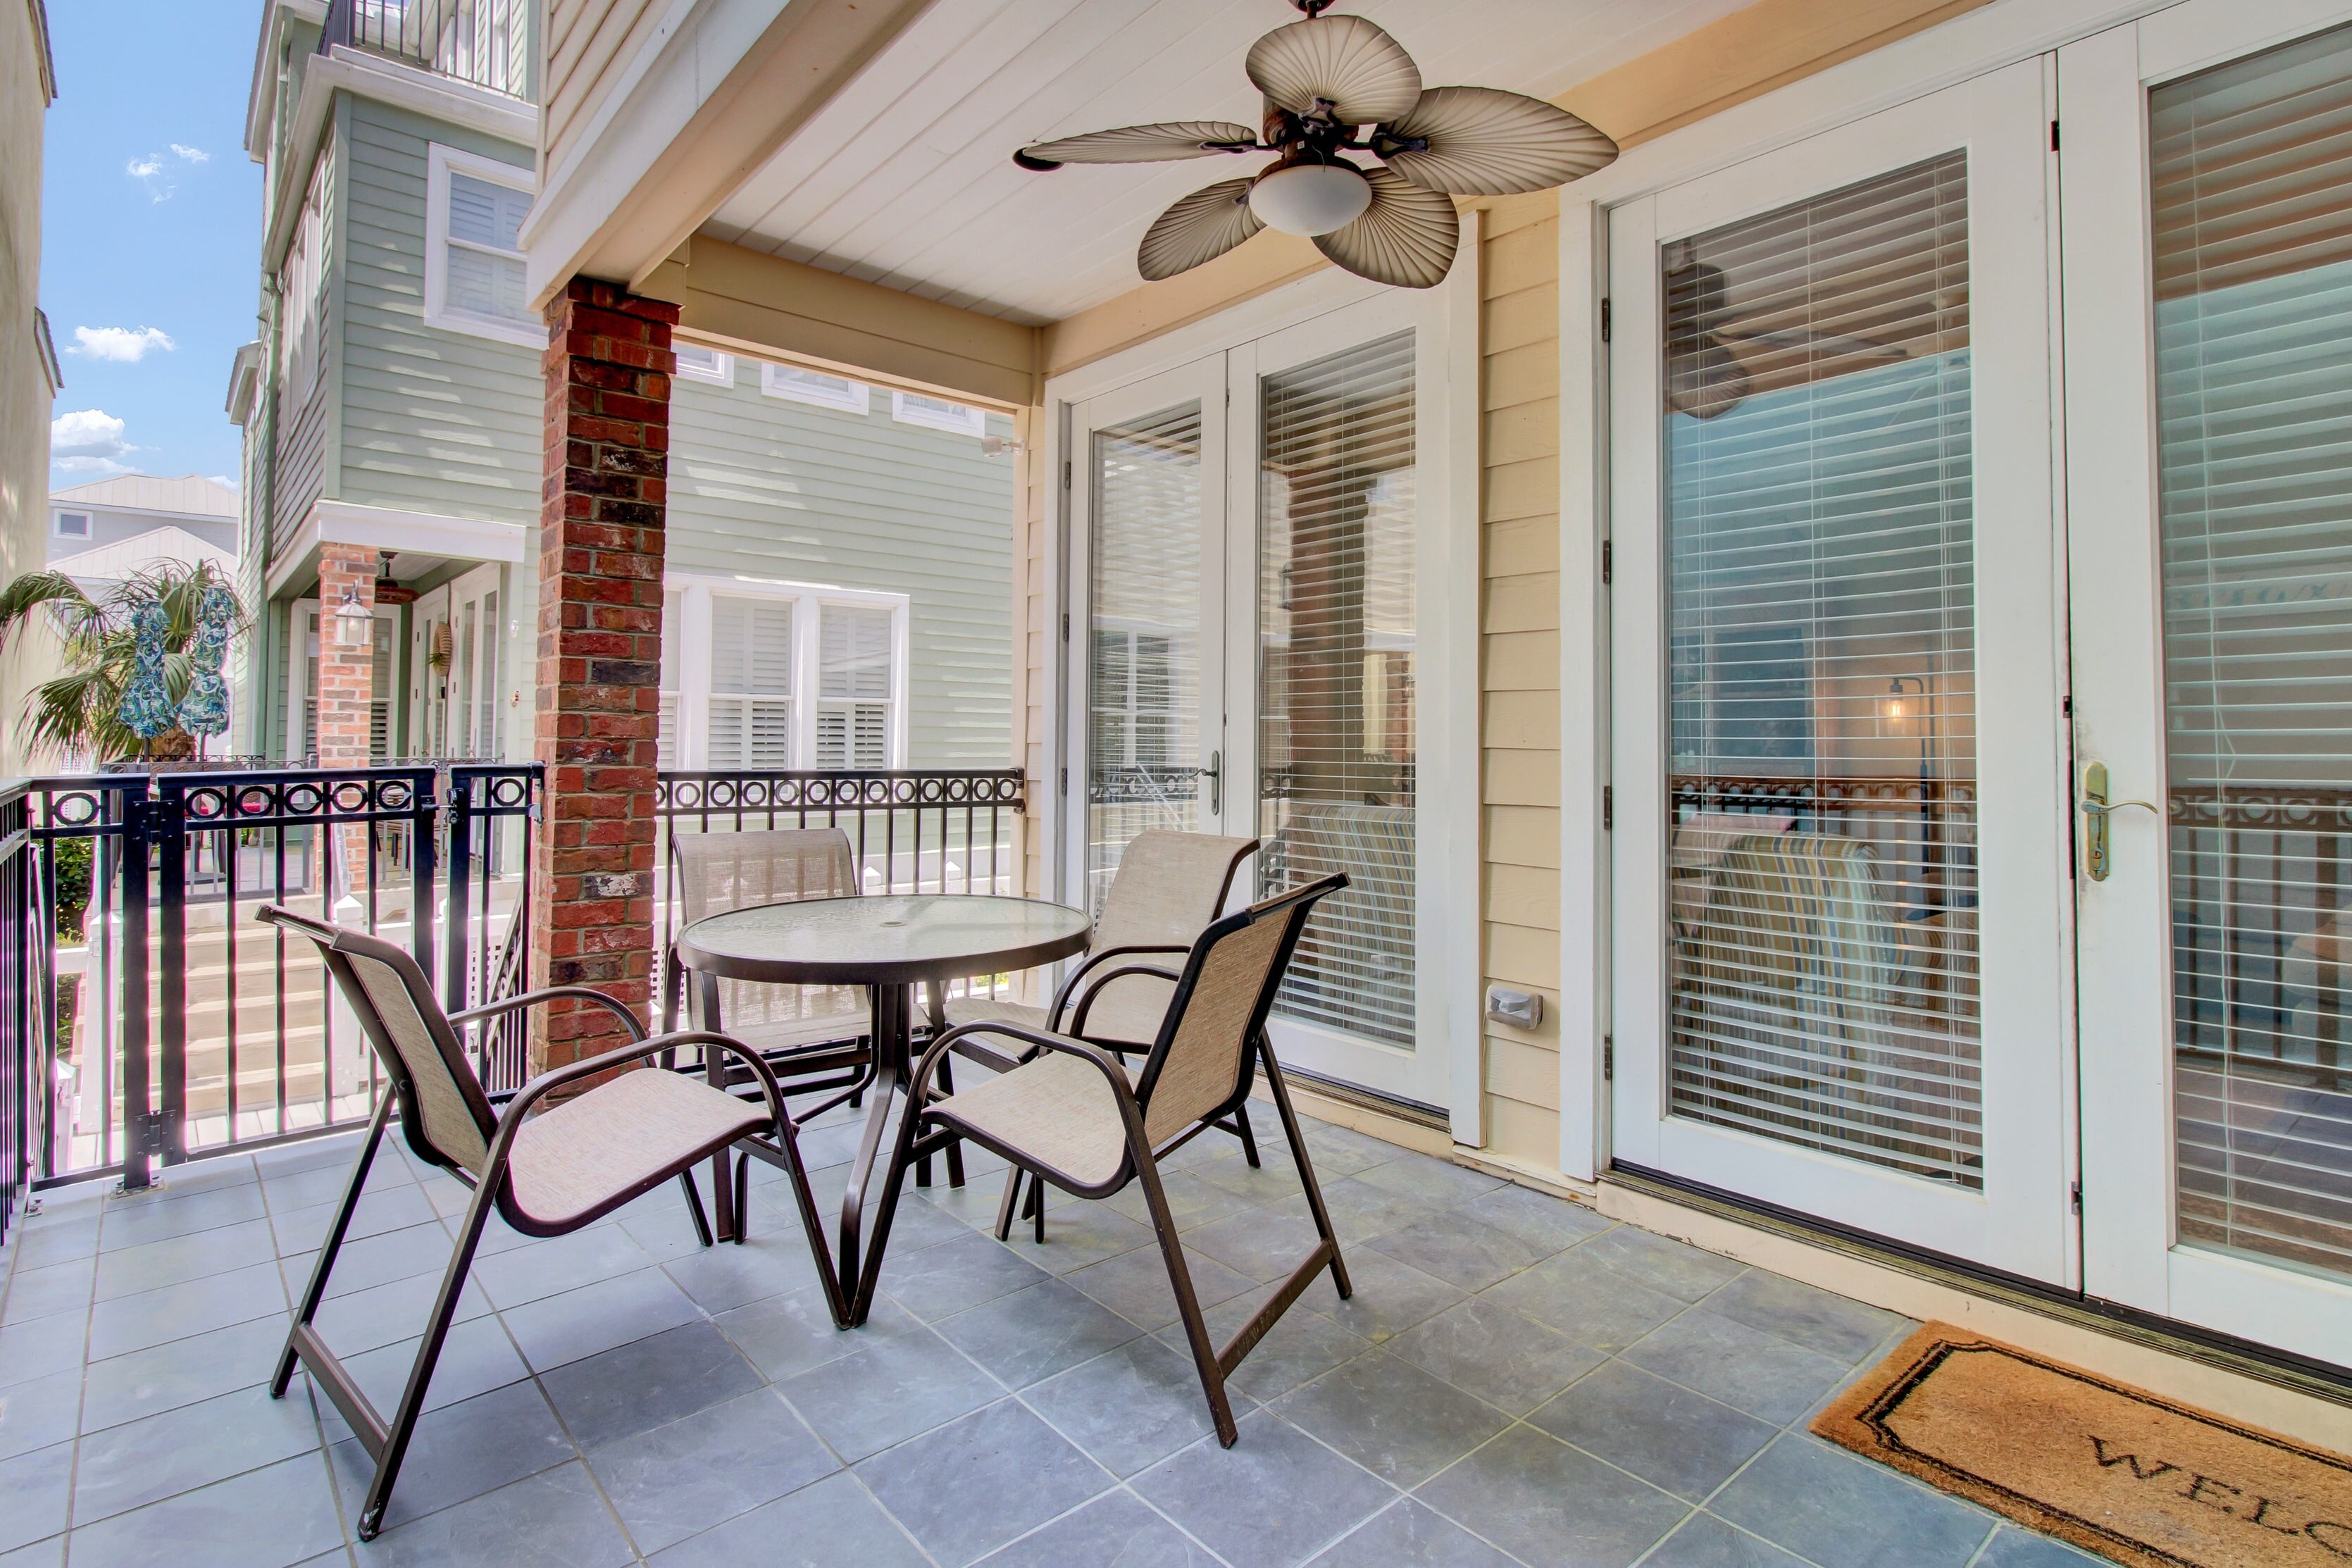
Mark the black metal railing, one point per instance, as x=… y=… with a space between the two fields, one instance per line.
x=147 y=1017
x=172 y=1024
x=484 y=42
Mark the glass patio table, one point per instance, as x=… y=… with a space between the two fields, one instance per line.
x=889 y=944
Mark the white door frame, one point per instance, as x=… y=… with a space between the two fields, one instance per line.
x=2124 y=941
x=1446 y=322
x=2022 y=1221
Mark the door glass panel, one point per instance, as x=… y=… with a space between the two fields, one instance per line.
x=1822 y=869
x=1143 y=671
x=2251 y=165
x=1335 y=723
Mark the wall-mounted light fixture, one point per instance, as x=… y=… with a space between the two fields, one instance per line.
x=355 y=622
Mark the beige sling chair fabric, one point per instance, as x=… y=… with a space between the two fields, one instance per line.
x=1168 y=887
x=721 y=871
x=1074 y=1116
x=547 y=1172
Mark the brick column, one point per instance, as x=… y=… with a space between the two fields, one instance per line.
x=346 y=695
x=600 y=609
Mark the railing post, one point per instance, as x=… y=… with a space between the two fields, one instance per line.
x=167 y=826
x=458 y=808
x=138 y=1124
x=423 y=817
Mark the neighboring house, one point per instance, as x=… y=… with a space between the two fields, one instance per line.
x=845 y=552
x=28 y=360
x=114 y=515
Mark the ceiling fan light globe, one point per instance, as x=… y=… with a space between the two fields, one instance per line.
x=1310 y=198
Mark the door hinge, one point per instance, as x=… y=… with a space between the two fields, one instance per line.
x=2076 y=1193
x=1066 y=473
x=1608 y=807
x=1604 y=318
x=1065 y=625
x=1607 y=561
x=1065 y=781
x=1608 y=1057
x=2053 y=136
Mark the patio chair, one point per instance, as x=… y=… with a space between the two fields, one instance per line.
x=1073 y=1115
x=548 y=1173
x=1168 y=887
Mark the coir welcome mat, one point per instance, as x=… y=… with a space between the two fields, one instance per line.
x=2110 y=1468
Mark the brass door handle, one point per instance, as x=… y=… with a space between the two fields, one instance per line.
x=1216 y=773
x=2098 y=856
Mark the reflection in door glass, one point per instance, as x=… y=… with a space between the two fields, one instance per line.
x=2253 y=171
x=1143 y=670
x=1820 y=604
x=1336 y=719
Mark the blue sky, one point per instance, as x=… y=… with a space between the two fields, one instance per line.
x=151 y=229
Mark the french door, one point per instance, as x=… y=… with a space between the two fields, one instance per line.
x=2208 y=249
x=1254 y=539
x=1839 y=976
x=457 y=668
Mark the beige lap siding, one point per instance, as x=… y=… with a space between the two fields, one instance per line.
x=1519 y=627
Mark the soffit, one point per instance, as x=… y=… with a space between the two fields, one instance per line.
x=906 y=178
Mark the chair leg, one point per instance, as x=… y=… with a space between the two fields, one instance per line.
x=1242 y=1130
x=1037 y=1206
x=742 y=1197
x=1005 y=1205
x=402 y=1425
x=694 y=1208
x=955 y=1150
x=316 y=1291
x=1306 y=1167
x=1188 y=1300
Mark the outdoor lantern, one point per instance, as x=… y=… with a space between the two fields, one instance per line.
x=355 y=622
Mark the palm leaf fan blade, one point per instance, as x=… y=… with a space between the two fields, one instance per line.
x=1142 y=144
x=1201 y=227
x=1483 y=141
x=1406 y=238
x=1345 y=61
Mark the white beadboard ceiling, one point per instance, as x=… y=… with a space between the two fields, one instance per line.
x=906 y=179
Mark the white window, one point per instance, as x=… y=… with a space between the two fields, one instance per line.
x=814 y=387
x=854 y=687
x=301 y=284
x=781 y=677
x=938 y=414
x=473 y=253
x=706 y=364
x=73 y=525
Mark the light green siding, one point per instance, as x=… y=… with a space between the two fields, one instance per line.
x=433 y=421
x=304 y=462
x=769 y=488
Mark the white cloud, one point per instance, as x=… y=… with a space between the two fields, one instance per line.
x=123 y=345
x=225 y=482
x=192 y=154
x=149 y=172
x=89 y=441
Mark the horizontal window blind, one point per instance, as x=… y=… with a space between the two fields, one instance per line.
x=1143 y=666
x=1821 y=873
x=2251 y=168
x=751 y=682
x=1336 y=726
x=853 y=710
x=485 y=251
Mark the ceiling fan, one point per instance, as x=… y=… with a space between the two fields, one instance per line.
x=1335 y=86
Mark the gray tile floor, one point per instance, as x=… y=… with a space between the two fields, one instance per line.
x=1514 y=1381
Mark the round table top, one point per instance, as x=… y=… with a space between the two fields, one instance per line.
x=894 y=939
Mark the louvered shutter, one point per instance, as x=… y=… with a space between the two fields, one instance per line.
x=1821 y=654
x=1336 y=729
x=751 y=682
x=484 y=248
x=674 y=632
x=854 y=681
x=2252 y=165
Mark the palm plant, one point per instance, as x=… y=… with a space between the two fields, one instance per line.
x=75 y=715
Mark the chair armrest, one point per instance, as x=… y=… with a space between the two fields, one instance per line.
x=518 y=1109
x=1086 y=1002
x=1062 y=997
x=618 y=1008
x=919 y=1084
